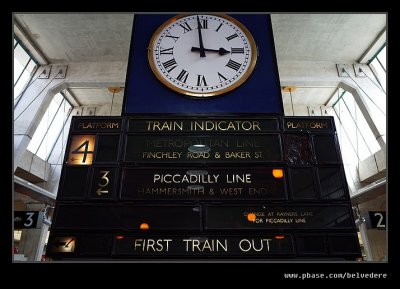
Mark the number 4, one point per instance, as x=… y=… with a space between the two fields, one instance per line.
x=85 y=152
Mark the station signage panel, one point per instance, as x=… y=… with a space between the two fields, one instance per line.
x=153 y=187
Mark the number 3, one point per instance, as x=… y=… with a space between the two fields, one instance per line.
x=106 y=182
x=29 y=219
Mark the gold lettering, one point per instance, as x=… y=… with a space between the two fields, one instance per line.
x=223 y=125
x=237 y=155
x=306 y=124
x=166 y=125
x=256 y=125
x=97 y=125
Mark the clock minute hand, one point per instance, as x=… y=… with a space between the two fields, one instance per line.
x=202 y=53
x=221 y=51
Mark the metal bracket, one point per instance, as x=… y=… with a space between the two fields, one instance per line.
x=324 y=110
x=91 y=111
x=61 y=71
x=343 y=70
x=45 y=74
x=313 y=110
x=359 y=70
x=79 y=111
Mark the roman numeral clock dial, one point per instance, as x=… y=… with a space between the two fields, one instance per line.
x=202 y=55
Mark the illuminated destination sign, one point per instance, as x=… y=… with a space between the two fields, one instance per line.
x=304 y=124
x=202 y=125
x=203 y=184
x=280 y=216
x=211 y=149
x=265 y=245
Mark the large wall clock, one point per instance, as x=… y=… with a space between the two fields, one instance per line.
x=202 y=55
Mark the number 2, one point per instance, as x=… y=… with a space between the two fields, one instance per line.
x=379 y=224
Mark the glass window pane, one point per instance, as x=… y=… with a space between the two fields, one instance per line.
x=382 y=57
x=21 y=58
x=365 y=142
x=39 y=134
x=380 y=73
x=377 y=114
x=354 y=133
x=54 y=129
x=31 y=66
x=24 y=79
x=347 y=123
x=52 y=135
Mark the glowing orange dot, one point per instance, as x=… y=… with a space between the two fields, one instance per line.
x=279 y=237
x=251 y=217
x=277 y=173
x=144 y=226
x=119 y=237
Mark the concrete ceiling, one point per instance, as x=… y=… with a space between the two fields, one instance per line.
x=325 y=37
x=64 y=38
x=71 y=37
x=96 y=95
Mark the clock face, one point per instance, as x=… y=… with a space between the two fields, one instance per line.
x=202 y=55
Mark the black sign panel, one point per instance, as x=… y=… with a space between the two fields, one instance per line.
x=263 y=246
x=26 y=219
x=203 y=184
x=127 y=217
x=203 y=149
x=204 y=125
x=307 y=124
x=377 y=220
x=328 y=217
x=97 y=124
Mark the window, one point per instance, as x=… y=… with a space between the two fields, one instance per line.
x=24 y=65
x=50 y=127
x=378 y=105
x=354 y=127
x=378 y=65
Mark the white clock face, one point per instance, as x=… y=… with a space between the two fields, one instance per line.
x=202 y=60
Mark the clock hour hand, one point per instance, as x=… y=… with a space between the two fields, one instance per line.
x=202 y=53
x=221 y=51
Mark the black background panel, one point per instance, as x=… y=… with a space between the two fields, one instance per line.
x=74 y=183
x=99 y=245
x=325 y=149
x=303 y=183
x=107 y=148
x=331 y=183
x=116 y=217
x=311 y=244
